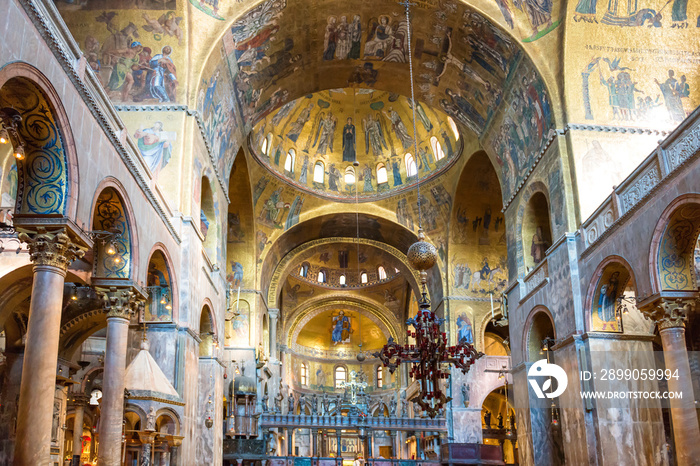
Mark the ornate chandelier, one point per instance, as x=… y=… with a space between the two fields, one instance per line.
x=430 y=354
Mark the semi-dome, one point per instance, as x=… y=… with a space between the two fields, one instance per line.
x=341 y=143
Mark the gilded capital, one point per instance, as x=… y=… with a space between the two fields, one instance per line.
x=53 y=248
x=120 y=302
x=669 y=312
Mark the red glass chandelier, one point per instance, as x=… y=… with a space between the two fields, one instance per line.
x=430 y=356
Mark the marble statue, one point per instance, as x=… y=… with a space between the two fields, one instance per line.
x=326 y=405
x=314 y=405
x=392 y=407
x=265 y=399
x=487 y=419
x=465 y=394
x=404 y=404
x=290 y=403
x=278 y=402
x=271 y=444
x=302 y=404
x=151 y=419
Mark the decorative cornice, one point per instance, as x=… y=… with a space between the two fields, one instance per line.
x=52 y=248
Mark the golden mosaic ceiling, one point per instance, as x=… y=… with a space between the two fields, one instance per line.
x=346 y=142
x=339 y=329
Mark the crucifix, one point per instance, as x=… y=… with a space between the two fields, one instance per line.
x=353 y=386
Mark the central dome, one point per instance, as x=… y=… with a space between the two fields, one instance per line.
x=341 y=143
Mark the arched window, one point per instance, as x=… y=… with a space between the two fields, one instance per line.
x=349 y=175
x=289 y=162
x=380 y=375
x=411 y=168
x=318 y=172
x=437 y=148
x=381 y=273
x=453 y=127
x=304 y=376
x=322 y=276
x=363 y=277
x=341 y=375
x=304 y=270
x=341 y=280
x=381 y=174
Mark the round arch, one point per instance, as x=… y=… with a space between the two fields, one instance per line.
x=536 y=321
x=625 y=276
x=112 y=183
x=173 y=276
x=69 y=192
x=530 y=194
x=672 y=244
x=300 y=316
x=282 y=269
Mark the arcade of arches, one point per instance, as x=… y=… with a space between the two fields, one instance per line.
x=206 y=209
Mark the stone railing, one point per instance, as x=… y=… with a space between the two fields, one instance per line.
x=270 y=420
x=534 y=280
x=670 y=156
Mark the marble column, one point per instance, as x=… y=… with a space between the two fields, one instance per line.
x=394 y=449
x=120 y=303
x=337 y=436
x=273 y=314
x=290 y=443
x=370 y=452
x=670 y=315
x=50 y=253
x=314 y=442
x=79 y=402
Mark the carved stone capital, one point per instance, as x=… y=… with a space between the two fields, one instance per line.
x=669 y=312
x=53 y=248
x=273 y=313
x=120 y=302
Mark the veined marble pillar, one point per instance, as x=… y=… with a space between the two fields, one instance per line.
x=670 y=315
x=290 y=441
x=51 y=253
x=119 y=303
x=314 y=442
x=79 y=402
x=337 y=437
x=273 y=314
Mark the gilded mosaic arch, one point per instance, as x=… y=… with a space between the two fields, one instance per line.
x=671 y=256
x=110 y=215
x=43 y=177
x=609 y=281
x=304 y=313
x=281 y=269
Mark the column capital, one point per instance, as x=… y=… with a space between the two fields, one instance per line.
x=669 y=311
x=52 y=246
x=273 y=313
x=120 y=302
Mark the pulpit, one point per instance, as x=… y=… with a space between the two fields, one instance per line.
x=242 y=402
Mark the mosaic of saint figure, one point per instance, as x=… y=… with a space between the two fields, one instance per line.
x=399 y=128
x=325 y=133
x=464 y=326
x=608 y=299
x=341 y=328
x=374 y=136
x=296 y=127
x=349 y=142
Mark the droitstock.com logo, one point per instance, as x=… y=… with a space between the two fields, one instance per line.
x=543 y=372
